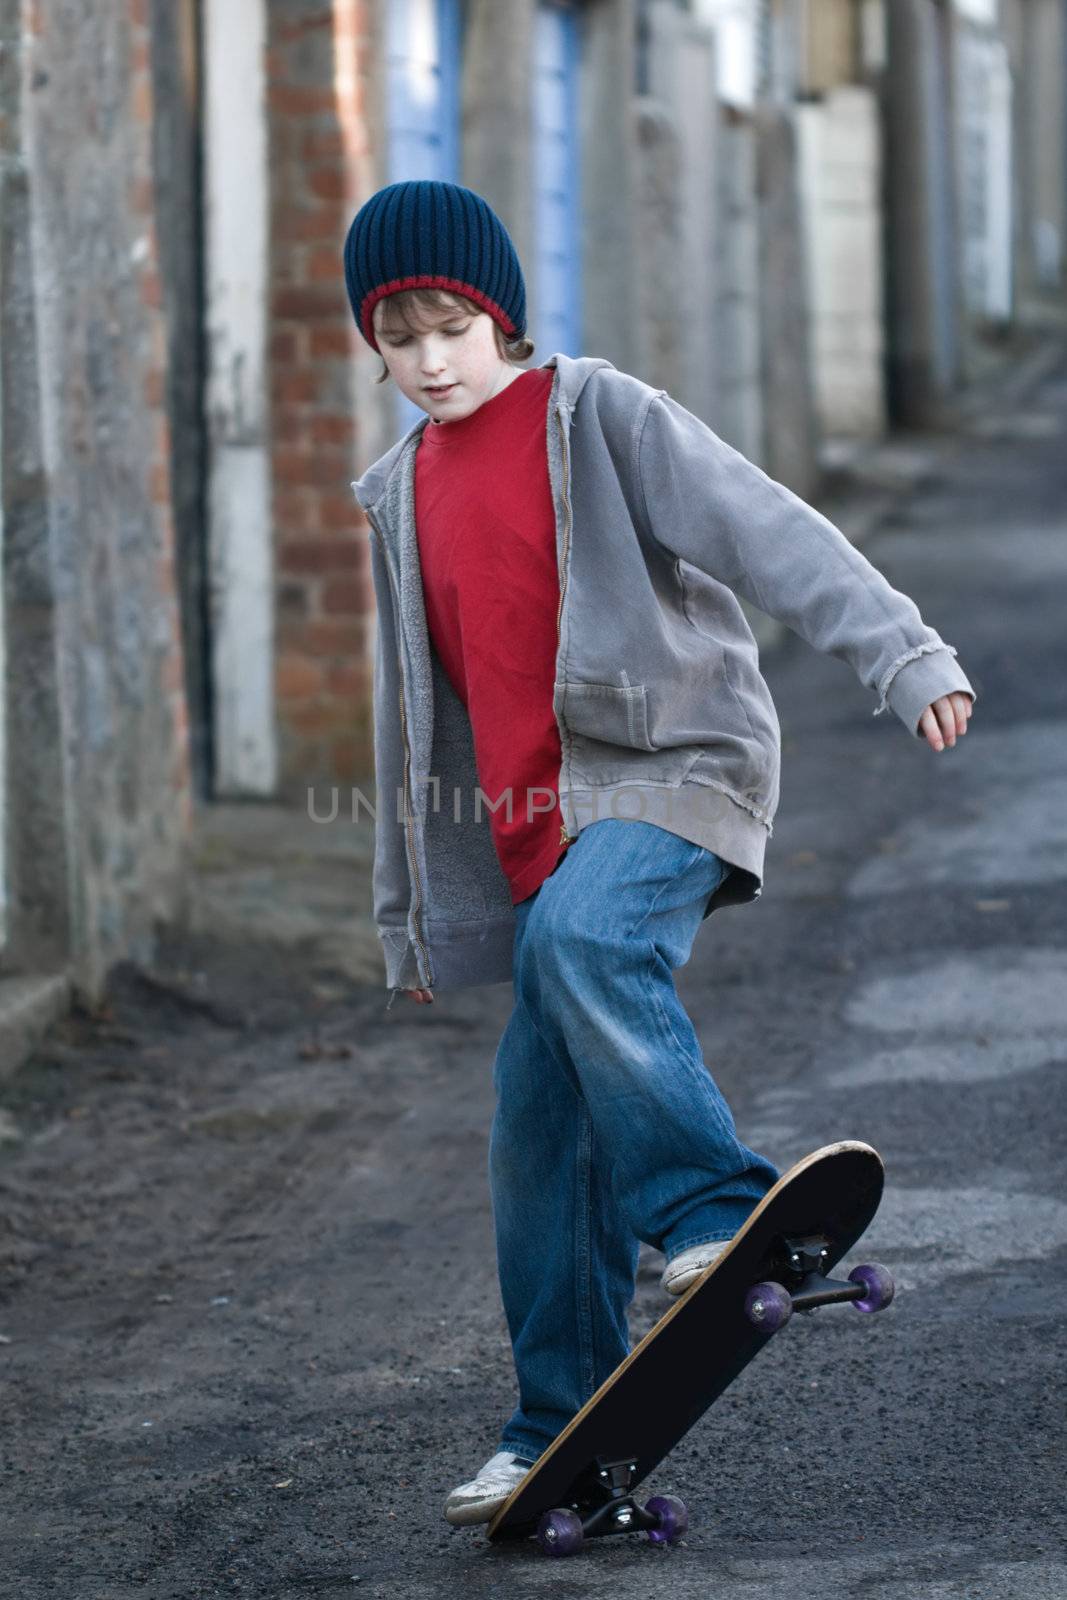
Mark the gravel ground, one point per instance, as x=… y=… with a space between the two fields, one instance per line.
x=251 y=1323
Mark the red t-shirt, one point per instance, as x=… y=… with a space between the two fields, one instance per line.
x=486 y=533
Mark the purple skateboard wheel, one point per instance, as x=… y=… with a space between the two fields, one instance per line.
x=878 y=1281
x=673 y=1519
x=768 y=1306
x=560 y=1532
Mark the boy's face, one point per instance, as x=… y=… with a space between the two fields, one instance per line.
x=457 y=350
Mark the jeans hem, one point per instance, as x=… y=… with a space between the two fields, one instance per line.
x=528 y=1452
x=701 y=1238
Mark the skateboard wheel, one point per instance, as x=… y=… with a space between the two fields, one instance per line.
x=673 y=1519
x=560 y=1532
x=878 y=1281
x=768 y=1306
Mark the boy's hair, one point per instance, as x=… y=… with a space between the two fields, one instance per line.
x=411 y=311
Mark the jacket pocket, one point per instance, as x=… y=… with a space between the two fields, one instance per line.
x=609 y=738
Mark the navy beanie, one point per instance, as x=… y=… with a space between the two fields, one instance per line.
x=424 y=234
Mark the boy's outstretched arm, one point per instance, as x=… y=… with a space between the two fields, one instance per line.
x=709 y=505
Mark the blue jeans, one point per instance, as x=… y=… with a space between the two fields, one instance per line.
x=608 y=1127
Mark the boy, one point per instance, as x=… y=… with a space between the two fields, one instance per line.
x=560 y=644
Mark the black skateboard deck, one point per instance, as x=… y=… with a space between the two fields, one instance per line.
x=582 y=1485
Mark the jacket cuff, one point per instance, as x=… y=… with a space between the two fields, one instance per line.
x=401 y=966
x=919 y=678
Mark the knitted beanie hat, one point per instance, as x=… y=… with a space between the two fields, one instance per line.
x=425 y=234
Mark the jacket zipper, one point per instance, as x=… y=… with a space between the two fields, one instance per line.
x=564 y=837
x=409 y=808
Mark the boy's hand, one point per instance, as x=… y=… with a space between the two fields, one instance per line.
x=945 y=718
x=421 y=995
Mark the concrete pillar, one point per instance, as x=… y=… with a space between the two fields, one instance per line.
x=683 y=84
x=789 y=431
x=923 y=268
x=609 y=132
x=661 y=295
x=738 y=311
x=840 y=186
x=496 y=149
x=1047 y=91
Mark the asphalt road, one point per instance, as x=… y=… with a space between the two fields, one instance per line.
x=245 y=1241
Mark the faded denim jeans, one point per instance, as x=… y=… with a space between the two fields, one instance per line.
x=608 y=1127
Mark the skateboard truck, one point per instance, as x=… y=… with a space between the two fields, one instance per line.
x=770 y=1305
x=603 y=1504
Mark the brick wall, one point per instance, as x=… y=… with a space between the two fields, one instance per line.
x=318 y=63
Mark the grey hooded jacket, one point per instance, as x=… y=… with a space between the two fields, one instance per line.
x=663 y=713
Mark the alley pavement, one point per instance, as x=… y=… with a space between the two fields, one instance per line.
x=251 y=1323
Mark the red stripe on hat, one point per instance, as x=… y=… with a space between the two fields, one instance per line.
x=427 y=280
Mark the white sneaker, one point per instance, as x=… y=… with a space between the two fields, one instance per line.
x=684 y=1270
x=481 y=1498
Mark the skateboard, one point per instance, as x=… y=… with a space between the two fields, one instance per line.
x=583 y=1485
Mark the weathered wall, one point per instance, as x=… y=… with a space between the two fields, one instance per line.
x=99 y=541
x=176 y=166
x=36 y=932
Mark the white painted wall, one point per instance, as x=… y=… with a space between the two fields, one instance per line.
x=736 y=38
x=239 y=481
x=983 y=96
x=839 y=158
x=738 y=342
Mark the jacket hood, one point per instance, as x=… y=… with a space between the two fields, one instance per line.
x=573 y=372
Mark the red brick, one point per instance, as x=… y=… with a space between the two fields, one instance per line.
x=322 y=300
x=347 y=759
x=295 y=508
x=160 y=481
x=304 y=223
x=285 y=346
x=286 y=31
x=293 y=384
x=329 y=183
x=331 y=430
x=328 y=636
x=347 y=680
x=292 y=599
x=335 y=341
x=333 y=466
x=291 y=466
x=296 y=677
x=323 y=146
x=324 y=264
x=319 y=716
x=293 y=100
x=154 y=388
x=343 y=596
x=339 y=511
x=318 y=556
